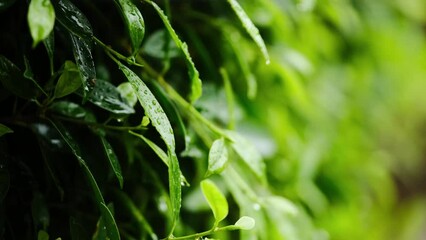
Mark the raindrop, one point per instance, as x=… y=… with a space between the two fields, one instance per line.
x=256 y=207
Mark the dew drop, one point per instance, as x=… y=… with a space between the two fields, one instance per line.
x=256 y=207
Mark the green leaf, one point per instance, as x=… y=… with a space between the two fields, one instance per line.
x=86 y=66
x=218 y=157
x=160 y=153
x=155 y=45
x=13 y=80
x=196 y=85
x=134 y=22
x=106 y=96
x=106 y=215
x=248 y=153
x=77 y=230
x=250 y=28
x=113 y=160
x=73 y=19
x=161 y=123
x=4 y=130
x=49 y=44
x=42 y=235
x=126 y=91
x=245 y=223
x=69 y=81
x=68 y=109
x=108 y=219
x=41 y=19
x=215 y=199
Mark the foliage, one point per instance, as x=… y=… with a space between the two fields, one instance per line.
x=228 y=119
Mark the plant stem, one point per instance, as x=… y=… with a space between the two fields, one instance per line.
x=115 y=53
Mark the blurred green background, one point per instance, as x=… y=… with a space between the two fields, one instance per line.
x=342 y=113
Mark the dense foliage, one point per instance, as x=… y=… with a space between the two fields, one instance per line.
x=285 y=119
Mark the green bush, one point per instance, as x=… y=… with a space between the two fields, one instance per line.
x=286 y=119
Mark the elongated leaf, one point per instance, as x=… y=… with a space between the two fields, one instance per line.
x=108 y=219
x=160 y=153
x=41 y=19
x=4 y=130
x=113 y=160
x=86 y=66
x=68 y=109
x=248 y=153
x=106 y=96
x=218 y=157
x=13 y=80
x=215 y=199
x=106 y=215
x=73 y=19
x=134 y=22
x=69 y=81
x=250 y=28
x=196 y=85
x=245 y=223
x=136 y=213
x=161 y=123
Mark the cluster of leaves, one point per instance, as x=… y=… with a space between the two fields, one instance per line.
x=108 y=132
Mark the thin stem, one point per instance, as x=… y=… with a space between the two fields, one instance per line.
x=116 y=54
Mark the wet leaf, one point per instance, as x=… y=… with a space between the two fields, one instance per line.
x=4 y=130
x=113 y=160
x=215 y=199
x=41 y=19
x=106 y=96
x=245 y=223
x=196 y=85
x=126 y=91
x=106 y=214
x=134 y=22
x=248 y=153
x=86 y=66
x=155 y=46
x=13 y=80
x=161 y=123
x=218 y=157
x=73 y=19
x=68 y=109
x=69 y=81
x=250 y=28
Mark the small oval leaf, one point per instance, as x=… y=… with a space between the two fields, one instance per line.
x=215 y=199
x=196 y=85
x=41 y=19
x=73 y=19
x=134 y=22
x=69 y=81
x=245 y=223
x=218 y=157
